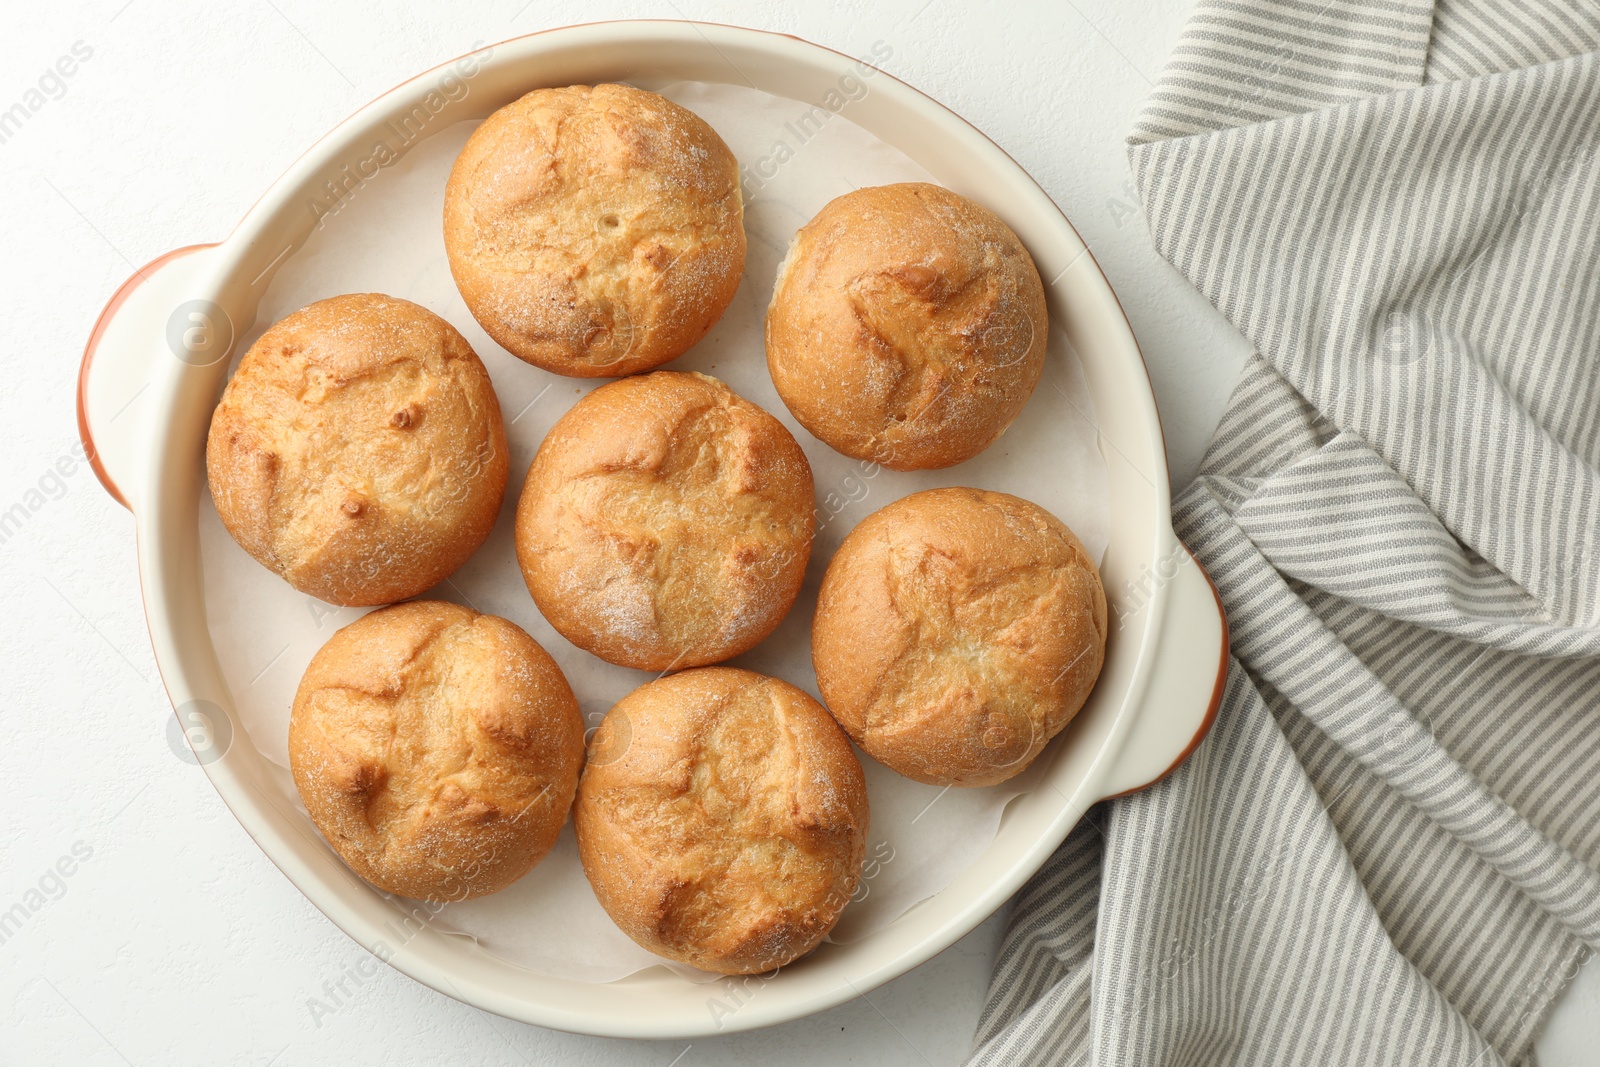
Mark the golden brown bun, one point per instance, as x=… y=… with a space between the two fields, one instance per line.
x=908 y=326
x=436 y=749
x=666 y=522
x=722 y=819
x=957 y=632
x=595 y=232
x=358 y=451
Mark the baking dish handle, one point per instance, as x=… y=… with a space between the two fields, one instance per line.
x=1183 y=698
x=148 y=319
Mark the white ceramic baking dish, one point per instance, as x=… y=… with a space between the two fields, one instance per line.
x=143 y=413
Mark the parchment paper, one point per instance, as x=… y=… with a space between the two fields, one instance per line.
x=387 y=237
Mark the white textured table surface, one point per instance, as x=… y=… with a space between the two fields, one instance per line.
x=173 y=940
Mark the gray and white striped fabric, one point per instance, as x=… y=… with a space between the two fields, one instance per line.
x=1387 y=851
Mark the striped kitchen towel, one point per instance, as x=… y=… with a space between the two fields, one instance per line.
x=1387 y=851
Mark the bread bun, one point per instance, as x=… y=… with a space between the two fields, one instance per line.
x=722 y=819
x=595 y=232
x=908 y=326
x=436 y=749
x=666 y=522
x=358 y=450
x=957 y=632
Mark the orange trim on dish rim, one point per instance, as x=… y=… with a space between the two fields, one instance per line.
x=118 y=298
x=1216 y=692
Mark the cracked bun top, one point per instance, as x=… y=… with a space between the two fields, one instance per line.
x=358 y=450
x=907 y=327
x=957 y=632
x=436 y=749
x=595 y=232
x=666 y=522
x=722 y=819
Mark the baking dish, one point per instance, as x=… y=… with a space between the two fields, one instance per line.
x=154 y=365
